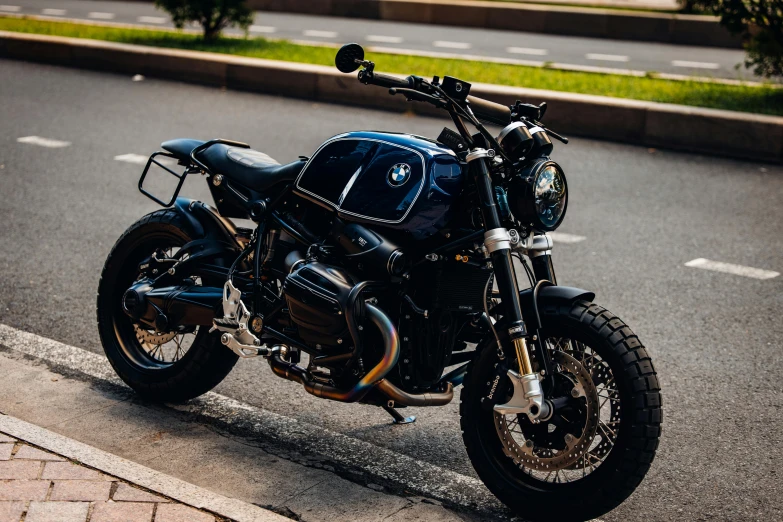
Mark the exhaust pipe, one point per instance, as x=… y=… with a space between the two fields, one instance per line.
x=391 y=355
x=373 y=379
x=409 y=399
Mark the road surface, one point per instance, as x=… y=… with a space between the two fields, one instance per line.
x=642 y=214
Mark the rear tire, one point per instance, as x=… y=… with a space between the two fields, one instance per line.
x=613 y=479
x=205 y=363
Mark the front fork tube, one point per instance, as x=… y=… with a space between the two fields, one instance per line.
x=528 y=395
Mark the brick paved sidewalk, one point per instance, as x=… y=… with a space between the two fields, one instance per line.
x=38 y=486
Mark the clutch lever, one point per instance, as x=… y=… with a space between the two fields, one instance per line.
x=414 y=95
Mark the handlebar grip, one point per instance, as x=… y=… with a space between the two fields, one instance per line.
x=384 y=80
x=490 y=111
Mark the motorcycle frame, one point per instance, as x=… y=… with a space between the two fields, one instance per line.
x=520 y=321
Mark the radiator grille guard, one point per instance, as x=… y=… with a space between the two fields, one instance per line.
x=460 y=287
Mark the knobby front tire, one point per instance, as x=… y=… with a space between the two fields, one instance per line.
x=638 y=412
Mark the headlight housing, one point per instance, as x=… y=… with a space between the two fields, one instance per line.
x=539 y=195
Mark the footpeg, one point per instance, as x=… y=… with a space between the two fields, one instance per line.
x=234 y=324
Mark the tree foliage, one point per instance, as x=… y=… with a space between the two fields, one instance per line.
x=759 y=22
x=212 y=15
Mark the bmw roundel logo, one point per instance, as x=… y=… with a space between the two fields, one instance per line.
x=398 y=174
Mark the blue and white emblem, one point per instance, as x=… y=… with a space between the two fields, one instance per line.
x=398 y=174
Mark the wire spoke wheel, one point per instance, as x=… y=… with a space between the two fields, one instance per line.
x=576 y=439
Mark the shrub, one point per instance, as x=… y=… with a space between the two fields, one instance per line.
x=760 y=22
x=212 y=15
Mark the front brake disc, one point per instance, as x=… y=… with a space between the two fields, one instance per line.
x=522 y=448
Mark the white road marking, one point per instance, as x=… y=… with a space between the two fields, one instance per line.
x=451 y=45
x=562 y=237
x=137 y=159
x=312 y=33
x=10 y=8
x=695 y=65
x=383 y=39
x=607 y=57
x=43 y=142
x=53 y=12
x=96 y=15
x=152 y=19
x=415 y=475
x=262 y=29
x=728 y=268
x=527 y=50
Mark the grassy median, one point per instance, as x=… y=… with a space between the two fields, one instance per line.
x=756 y=99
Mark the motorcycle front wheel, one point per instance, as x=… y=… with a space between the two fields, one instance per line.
x=597 y=446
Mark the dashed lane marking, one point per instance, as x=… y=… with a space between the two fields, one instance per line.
x=10 y=8
x=95 y=15
x=43 y=142
x=383 y=39
x=695 y=65
x=151 y=19
x=607 y=57
x=728 y=268
x=451 y=45
x=313 y=33
x=562 y=237
x=527 y=50
x=137 y=159
x=263 y=29
x=53 y=12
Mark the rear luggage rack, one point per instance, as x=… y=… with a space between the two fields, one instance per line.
x=195 y=166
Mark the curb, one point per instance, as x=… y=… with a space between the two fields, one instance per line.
x=711 y=131
x=531 y=18
x=128 y=471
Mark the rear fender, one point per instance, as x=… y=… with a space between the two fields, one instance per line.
x=214 y=243
x=205 y=222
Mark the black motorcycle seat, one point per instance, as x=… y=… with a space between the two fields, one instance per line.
x=250 y=168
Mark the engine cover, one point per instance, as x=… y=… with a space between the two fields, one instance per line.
x=317 y=297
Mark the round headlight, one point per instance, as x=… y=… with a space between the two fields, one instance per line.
x=539 y=196
x=550 y=196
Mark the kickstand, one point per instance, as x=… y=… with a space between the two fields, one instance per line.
x=398 y=419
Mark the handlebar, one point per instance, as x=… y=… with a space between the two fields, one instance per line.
x=490 y=112
x=384 y=80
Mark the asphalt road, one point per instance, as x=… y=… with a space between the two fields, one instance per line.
x=715 y=337
x=418 y=38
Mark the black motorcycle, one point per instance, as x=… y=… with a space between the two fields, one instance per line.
x=382 y=260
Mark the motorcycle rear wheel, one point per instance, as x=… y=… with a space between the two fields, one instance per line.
x=527 y=470
x=189 y=373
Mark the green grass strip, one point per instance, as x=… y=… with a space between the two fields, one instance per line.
x=755 y=99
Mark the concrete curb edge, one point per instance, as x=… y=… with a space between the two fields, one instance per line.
x=711 y=131
x=124 y=469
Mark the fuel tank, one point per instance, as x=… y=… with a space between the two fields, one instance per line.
x=392 y=180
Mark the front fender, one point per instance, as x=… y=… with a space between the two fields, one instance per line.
x=550 y=295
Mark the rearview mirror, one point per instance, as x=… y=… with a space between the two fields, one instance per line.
x=349 y=57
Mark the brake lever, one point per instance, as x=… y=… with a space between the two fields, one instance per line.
x=552 y=133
